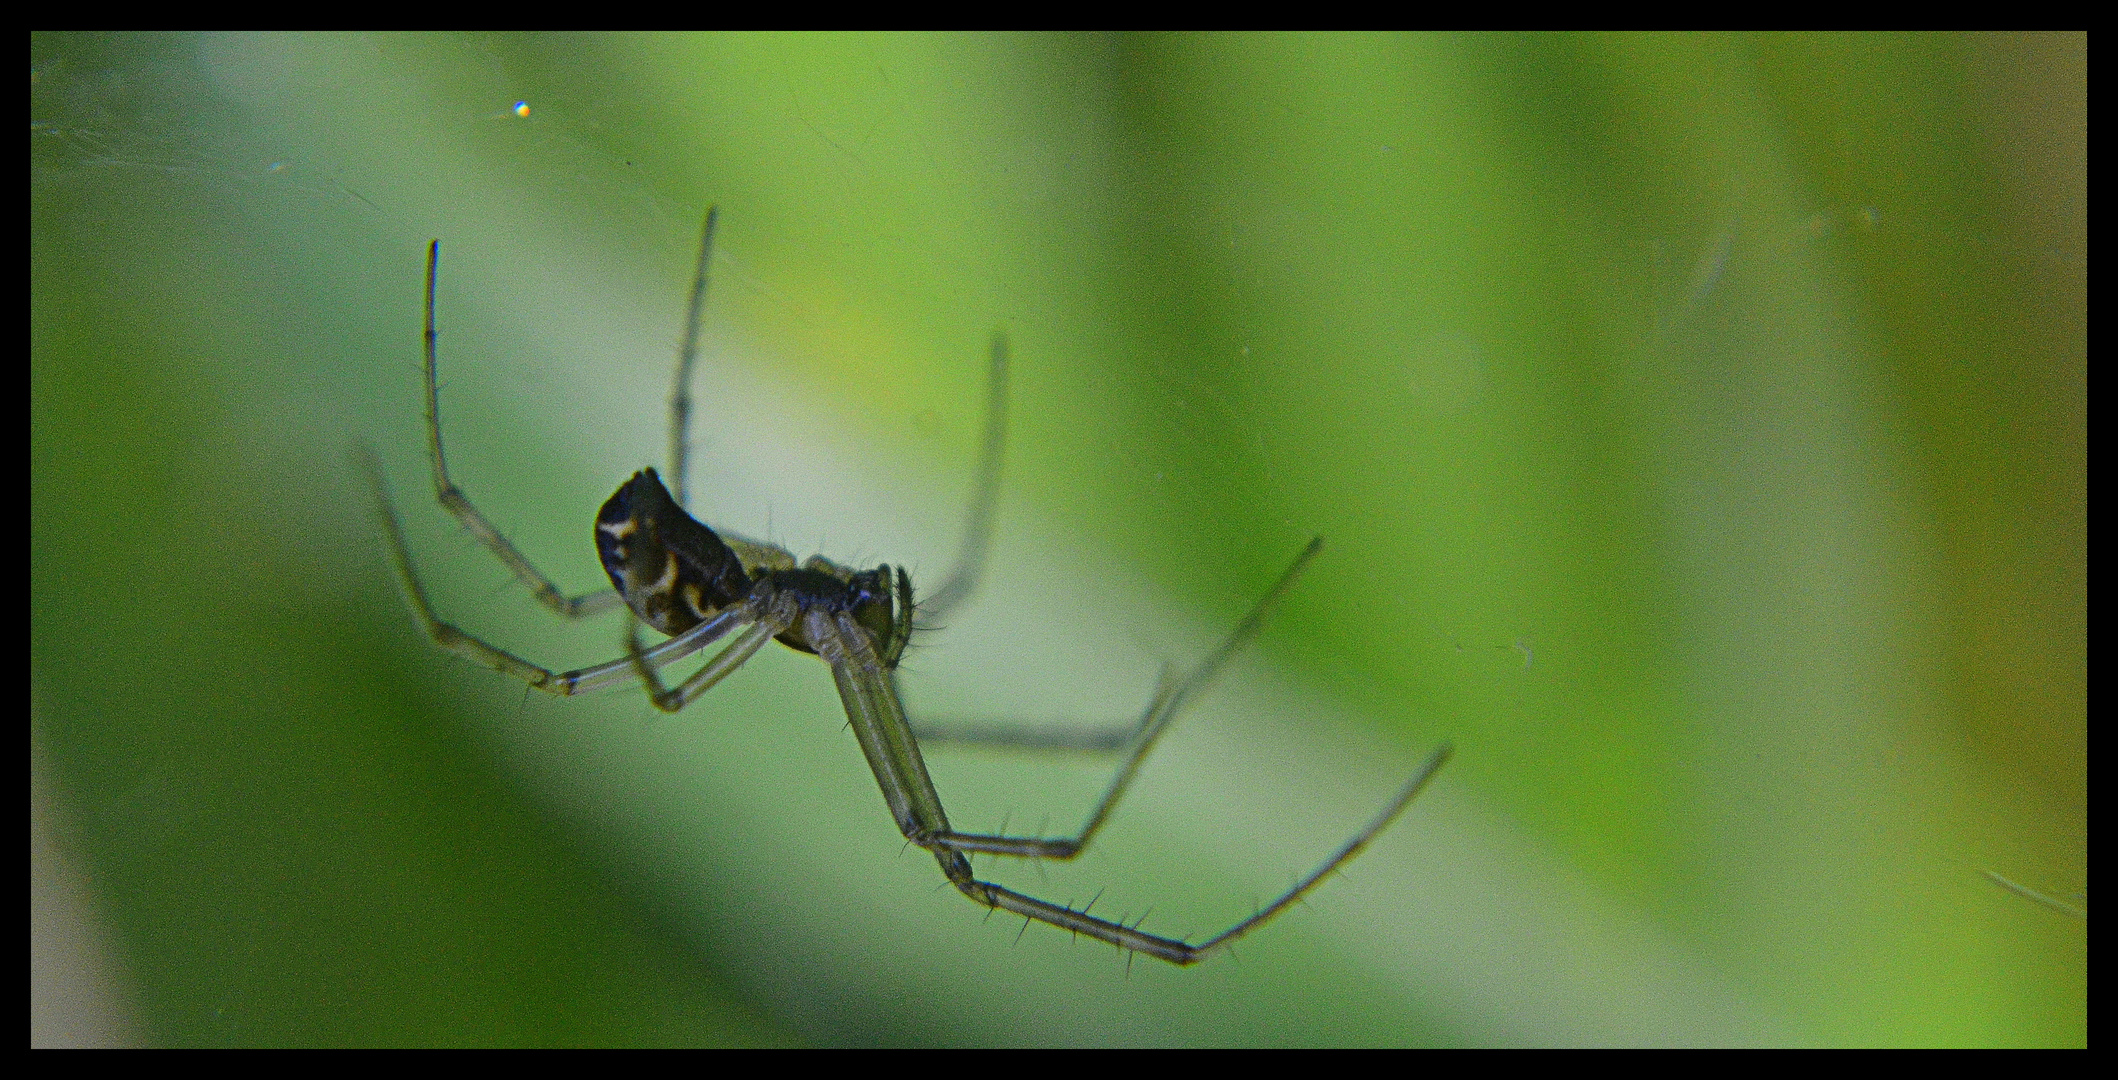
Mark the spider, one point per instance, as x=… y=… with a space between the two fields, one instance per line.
x=697 y=586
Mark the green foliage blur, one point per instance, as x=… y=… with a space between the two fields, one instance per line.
x=1697 y=426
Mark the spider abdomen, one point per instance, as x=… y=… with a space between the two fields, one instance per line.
x=671 y=570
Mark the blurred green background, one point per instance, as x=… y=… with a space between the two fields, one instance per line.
x=1697 y=425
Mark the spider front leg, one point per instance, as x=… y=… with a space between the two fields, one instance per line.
x=1176 y=951
x=868 y=689
x=1168 y=700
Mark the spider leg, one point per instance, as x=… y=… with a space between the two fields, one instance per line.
x=687 y=358
x=1180 y=952
x=745 y=646
x=457 y=503
x=755 y=554
x=626 y=669
x=962 y=580
x=869 y=693
x=1168 y=700
x=867 y=688
x=1035 y=737
x=1031 y=738
x=456 y=640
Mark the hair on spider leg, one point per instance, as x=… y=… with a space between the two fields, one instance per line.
x=1136 y=923
x=1092 y=900
x=697 y=586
